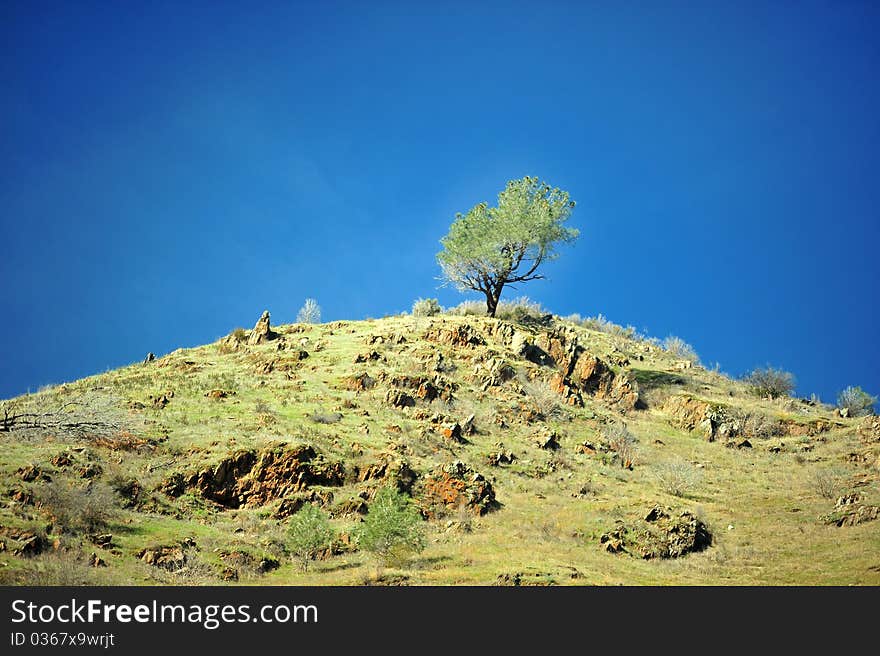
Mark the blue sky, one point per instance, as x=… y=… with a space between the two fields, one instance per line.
x=169 y=170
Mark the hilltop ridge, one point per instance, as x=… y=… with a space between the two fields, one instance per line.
x=538 y=451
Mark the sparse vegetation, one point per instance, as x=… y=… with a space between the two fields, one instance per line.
x=77 y=509
x=310 y=312
x=622 y=443
x=678 y=477
x=856 y=402
x=426 y=307
x=309 y=533
x=770 y=383
x=829 y=482
x=681 y=349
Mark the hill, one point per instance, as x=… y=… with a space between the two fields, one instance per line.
x=538 y=451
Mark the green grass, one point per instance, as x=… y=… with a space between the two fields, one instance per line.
x=760 y=506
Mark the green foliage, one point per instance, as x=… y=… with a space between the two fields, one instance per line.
x=426 y=307
x=680 y=348
x=770 y=382
x=856 y=401
x=490 y=247
x=392 y=529
x=309 y=532
x=310 y=312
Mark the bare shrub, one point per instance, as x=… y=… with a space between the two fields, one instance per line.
x=426 y=307
x=78 y=509
x=856 y=402
x=468 y=309
x=678 y=477
x=326 y=417
x=55 y=568
x=519 y=309
x=680 y=349
x=770 y=382
x=542 y=396
x=310 y=312
x=829 y=482
x=622 y=442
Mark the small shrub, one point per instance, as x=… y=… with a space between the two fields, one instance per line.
x=310 y=312
x=681 y=349
x=678 y=478
x=326 y=417
x=856 y=401
x=426 y=307
x=78 y=510
x=770 y=382
x=542 y=396
x=239 y=335
x=829 y=482
x=622 y=442
x=309 y=532
x=519 y=309
x=392 y=529
x=468 y=309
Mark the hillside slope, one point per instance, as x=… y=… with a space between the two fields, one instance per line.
x=538 y=452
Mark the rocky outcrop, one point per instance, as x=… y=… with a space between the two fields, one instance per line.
x=850 y=511
x=711 y=420
x=262 y=331
x=461 y=336
x=251 y=478
x=455 y=486
x=661 y=533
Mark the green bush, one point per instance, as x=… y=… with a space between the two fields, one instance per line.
x=426 y=307
x=309 y=532
x=392 y=529
x=770 y=382
x=856 y=401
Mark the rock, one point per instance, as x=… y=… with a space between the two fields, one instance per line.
x=359 y=382
x=171 y=558
x=501 y=456
x=548 y=440
x=468 y=428
x=662 y=533
x=103 y=540
x=62 y=459
x=150 y=357
x=262 y=331
x=251 y=478
x=461 y=336
x=30 y=473
x=427 y=391
x=218 y=394
x=843 y=412
x=399 y=399
x=31 y=544
x=370 y=356
x=159 y=401
x=90 y=470
x=96 y=561
x=454 y=486
x=229 y=574
x=452 y=432
x=291 y=505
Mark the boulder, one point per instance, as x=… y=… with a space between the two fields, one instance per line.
x=660 y=533
x=455 y=486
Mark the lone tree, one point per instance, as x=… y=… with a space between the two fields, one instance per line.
x=490 y=247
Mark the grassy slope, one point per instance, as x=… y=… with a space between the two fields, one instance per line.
x=762 y=507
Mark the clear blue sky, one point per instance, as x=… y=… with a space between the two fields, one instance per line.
x=171 y=169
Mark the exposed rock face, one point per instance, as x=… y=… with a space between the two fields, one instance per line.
x=291 y=505
x=548 y=440
x=399 y=399
x=461 y=336
x=250 y=478
x=389 y=471
x=493 y=372
x=359 y=382
x=452 y=432
x=454 y=486
x=662 y=533
x=580 y=372
x=850 y=511
x=262 y=331
x=712 y=420
x=500 y=456
x=171 y=558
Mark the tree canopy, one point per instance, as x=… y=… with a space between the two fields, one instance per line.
x=490 y=247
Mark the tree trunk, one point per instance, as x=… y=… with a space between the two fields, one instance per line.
x=491 y=304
